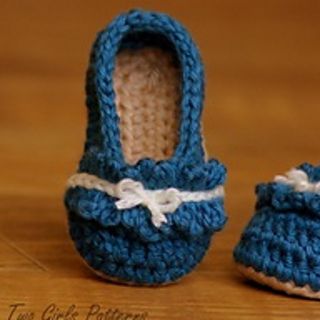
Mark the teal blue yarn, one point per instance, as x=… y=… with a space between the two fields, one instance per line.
x=282 y=240
x=124 y=244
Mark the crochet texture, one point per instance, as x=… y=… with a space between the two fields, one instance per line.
x=144 y=98
x=282 y=240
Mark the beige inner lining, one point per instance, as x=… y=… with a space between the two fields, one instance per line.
x=147 y=87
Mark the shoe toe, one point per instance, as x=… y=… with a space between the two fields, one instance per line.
x=282 y=240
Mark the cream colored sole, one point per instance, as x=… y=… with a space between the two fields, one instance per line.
x=123 y=282
x=288 y=287
x=128 y=283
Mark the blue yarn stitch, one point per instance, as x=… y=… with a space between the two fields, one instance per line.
x=283 y=237
x=125 y=244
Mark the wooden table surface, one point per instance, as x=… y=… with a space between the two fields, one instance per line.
x=261 y=118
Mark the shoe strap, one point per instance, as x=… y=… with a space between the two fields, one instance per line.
x=130 y=193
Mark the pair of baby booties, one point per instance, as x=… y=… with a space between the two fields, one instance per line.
x=145 y=202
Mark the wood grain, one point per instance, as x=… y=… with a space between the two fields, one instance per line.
x=261 y=118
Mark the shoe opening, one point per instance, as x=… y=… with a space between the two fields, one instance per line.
x=147 y=84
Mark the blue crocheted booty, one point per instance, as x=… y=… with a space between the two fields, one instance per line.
x=282 y=241
x=148 y=222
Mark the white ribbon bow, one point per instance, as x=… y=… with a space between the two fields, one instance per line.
x=132 y=193
x=299 y=181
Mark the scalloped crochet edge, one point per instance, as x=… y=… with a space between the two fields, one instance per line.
x=288 y=287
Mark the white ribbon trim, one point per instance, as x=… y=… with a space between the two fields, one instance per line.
x=299 y=181
x=132 y=193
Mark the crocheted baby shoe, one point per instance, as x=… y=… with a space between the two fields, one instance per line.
x=144 y=204
x=280 y=247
